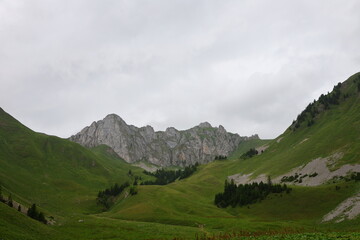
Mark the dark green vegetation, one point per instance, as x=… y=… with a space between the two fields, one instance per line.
x=245 y=194
x=164 y=176
x=35 y=214
x=63 y=179
x=249 y=154
x=220 y=157
x=297 y=178
x=315 y=108
x=107 y=197
x=355 y=176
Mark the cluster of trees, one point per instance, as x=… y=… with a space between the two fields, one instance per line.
x=331 y=98
x=355 y=176
x=9 y=201
x=357 y=82
x=32 y=211
x=297 y=177
x=106 y=197
x=164 y=177
x=249 y=154
x=313 y=174
x=133 y=190
x=220 y=157
x=35 y=214
x=314 y=108
x=2 y=199
x=136 y=180
x=244 y=194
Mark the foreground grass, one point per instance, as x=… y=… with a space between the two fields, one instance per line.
x=299 y=236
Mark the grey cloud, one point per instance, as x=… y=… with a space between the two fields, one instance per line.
x=251 y=66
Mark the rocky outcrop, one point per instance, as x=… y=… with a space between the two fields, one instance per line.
x=163 y=148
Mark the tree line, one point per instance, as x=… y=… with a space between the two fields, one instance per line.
x=245 y=194
x=357 y=81
x=249 y=154
x=220 y=157
x=316 y=107
x=355 y=176
x=35 y=214
x=106 y=197
x=297 y=178
x=324 y=102
x=164 y=177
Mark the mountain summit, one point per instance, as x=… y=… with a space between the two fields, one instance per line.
x=163 y=148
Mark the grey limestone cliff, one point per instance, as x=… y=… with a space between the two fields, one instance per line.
x=163 y=148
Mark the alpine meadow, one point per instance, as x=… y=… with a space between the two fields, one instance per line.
x=297 y=186
x=179 y=120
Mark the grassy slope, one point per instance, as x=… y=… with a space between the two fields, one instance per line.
x=14 y=225
x=185 y=207
x=190 y=202
x=60 y=176
x=245 y=146
x=63 y=179
x=335 y=130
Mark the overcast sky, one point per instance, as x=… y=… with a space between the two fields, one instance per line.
x=248 y=65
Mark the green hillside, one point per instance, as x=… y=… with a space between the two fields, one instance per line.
x=190 y=202
x=334 y=129
x=63 y=179
x=60 y=176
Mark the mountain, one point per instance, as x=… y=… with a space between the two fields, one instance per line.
x=63 y=178
x=163 y=148
x=51 y=171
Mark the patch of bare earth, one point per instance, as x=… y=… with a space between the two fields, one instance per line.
x=146 y=167
x=348 y=209
x=261 y=149
x=320 y=166
x=246 y=178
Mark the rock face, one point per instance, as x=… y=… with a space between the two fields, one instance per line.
x=164 y=148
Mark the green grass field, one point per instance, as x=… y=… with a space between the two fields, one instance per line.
x=63 y=179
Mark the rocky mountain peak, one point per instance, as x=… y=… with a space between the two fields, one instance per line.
x=114 y=118
x=205 y=125
x=222 y=129
x=164 y=148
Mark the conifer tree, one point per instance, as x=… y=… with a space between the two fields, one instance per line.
x=41 y=218
x=10 y=201
x=1 y=196
x=269 y=182
x=32 y=212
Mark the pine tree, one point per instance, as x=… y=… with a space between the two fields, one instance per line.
x=32 y=212
x=269 y=182
x=10 y=201
x=41 y=218
x=1 y=196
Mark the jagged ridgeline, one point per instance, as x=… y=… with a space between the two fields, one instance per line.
x=200 y=144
